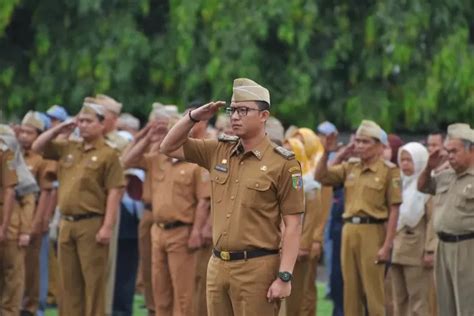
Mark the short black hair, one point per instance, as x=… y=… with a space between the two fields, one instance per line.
x=100 y=117
x=437 y=132
x=263 y=105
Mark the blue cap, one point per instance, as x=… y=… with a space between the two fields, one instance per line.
x=327 y=128
x=384 y=138
x=57 y=112
x=46 y=120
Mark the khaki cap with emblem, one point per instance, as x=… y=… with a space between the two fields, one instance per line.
x=461 y=131
x=247 y=90
x=6 y=130
x=130 y=121
x=33 y=119
x=370 y=129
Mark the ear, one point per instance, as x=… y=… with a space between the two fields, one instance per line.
x=264 y=115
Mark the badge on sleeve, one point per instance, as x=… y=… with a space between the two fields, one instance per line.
x=297 y=181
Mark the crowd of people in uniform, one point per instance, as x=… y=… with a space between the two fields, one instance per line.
x=211 y=213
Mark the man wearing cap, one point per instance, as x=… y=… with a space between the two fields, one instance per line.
x=11 y=254
x=453 y=220
x=44 y=172
x=254 y=185
x=128 y=122
x=92 y=181
x=372 y=199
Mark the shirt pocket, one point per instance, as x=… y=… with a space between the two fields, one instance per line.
x=465 y=200
x=258 y=193
x=182 y=184
x=373 y=193
x=440 y=195
x=218 y=185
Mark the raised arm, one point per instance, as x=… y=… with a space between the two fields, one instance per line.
x=172 y=144
x=426 y=183
x=51 y=134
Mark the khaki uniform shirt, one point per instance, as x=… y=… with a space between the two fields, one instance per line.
x=453 y=201
x=85 y=176
x=177 y=188
x=410 y=244
x=369 y=190
x=43 y=170
x=145 y=165
x=250 y=191
x=22 y=216
x=119 y=142
x=8 y=177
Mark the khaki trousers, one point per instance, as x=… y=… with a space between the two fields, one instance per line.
x=303 y=298
x=410 y=286
x=455 y=278
x=32 y=276
x=111 y=267
x=12 y=276
x=363 y=279
x=82 y=268
x=144 y=247
x=240 y=287
x=173 y=271
x=53 y=275
x=433 y=297
x=200 y=304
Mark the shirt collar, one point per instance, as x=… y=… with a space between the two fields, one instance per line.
x=373 y=166
x=258 y=151
x=98 y=143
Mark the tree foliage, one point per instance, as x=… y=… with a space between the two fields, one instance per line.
x=406 y=64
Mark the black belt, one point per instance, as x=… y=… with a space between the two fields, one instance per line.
x=364 y=220
x=454 y=238
x=147 y=206
x=243 y=255
x=172 y=225
x=75 y=218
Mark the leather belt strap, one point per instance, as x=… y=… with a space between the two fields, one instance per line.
x=364 y=220
x=243 y=255
x=172 y=225
x=454 y=238
x=75 y=218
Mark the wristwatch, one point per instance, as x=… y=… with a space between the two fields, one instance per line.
x=285 y=276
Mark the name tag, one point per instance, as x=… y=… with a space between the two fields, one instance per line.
x=221 y=167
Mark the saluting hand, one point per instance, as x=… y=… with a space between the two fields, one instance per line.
x=330 y=142
x=67 y=127
x=207 y=111
x=278 y=290
x=435 y=159
x=104 y=235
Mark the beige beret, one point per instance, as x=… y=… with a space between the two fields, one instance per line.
x=461 y=131
x=156 y=105
x=247 y=90
x=109 y=104
x=370 y=129
x=129 y=120
x=274 y=129
x=92 y=108
x=33 y=119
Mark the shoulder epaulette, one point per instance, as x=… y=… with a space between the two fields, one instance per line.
x=285 y=152
x=389 y=164
x=353 y=160
x=111 y=144
x=227 y=138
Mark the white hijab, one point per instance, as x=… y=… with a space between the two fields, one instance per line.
x=412 y=208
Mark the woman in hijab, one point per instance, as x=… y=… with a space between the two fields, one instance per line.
x=414 y=238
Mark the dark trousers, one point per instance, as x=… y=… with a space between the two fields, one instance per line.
x=125 y=277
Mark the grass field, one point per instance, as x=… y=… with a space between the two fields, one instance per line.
x=324 y=306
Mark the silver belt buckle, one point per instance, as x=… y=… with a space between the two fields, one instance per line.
x=356 y=220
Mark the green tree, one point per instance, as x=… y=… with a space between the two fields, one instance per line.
x=406 y=64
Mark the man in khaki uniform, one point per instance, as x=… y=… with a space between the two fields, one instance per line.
x=44 y=172
x=372 y=196
x=112 y=110
x=11 y=253
x=254 y=185
x=453 y=220
x=91 y=183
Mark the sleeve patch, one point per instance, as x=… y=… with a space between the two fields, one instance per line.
x=297 y=181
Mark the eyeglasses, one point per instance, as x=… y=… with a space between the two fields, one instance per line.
x=241 y=110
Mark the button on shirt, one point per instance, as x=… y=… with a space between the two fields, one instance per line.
x=250 y=192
